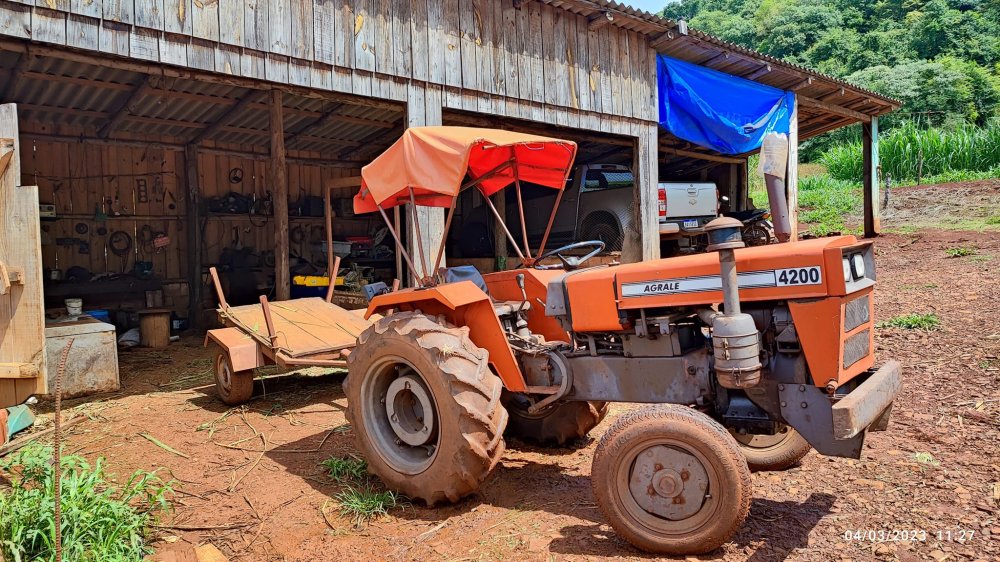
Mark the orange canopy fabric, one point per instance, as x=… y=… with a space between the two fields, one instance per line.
x=433 y=161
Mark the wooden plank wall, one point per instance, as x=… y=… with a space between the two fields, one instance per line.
x=22 y=321
x=80 y=179
x=533 y=61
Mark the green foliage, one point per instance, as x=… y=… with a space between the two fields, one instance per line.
x=365 y=502
x=912 y=322
x=101 y=520
x=344 y=469
x=910 y=152
x=824 y=202
x=960 y=252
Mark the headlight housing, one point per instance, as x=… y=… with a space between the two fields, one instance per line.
x=847 y=270
x=858 y=266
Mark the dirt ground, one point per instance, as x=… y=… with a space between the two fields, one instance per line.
x=253 y=485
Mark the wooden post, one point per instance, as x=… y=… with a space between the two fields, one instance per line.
x=279 y=183
x=873 y=215
x=792 y=177
x=192 y=212
x=22 y=311
x=499 y=242
x=424 y=108
x=642 y=240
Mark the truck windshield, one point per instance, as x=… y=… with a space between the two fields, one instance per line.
x=598 y=180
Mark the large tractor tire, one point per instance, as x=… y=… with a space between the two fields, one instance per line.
x=233 y=387
x=671 y=480
x=556 y=425
x=773 y=452
x=425 y=407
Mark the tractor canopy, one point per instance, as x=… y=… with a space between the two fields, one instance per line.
x=430 y=165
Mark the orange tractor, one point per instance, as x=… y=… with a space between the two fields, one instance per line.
x=750 y=355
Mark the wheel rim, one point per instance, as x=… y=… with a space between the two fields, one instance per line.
x=760 y=442
x=400 y=415
x=225 y=374
x=757 y=236
x=666 y=486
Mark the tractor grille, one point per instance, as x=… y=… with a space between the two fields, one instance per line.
x=857 y=347
x=856 y=313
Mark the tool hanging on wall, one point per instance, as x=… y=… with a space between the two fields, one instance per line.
x=236 y=175
x=120 y=243
x=142 y=190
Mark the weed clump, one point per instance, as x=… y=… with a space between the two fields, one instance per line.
x=912 y=322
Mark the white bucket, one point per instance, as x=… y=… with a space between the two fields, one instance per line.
x=74 y=307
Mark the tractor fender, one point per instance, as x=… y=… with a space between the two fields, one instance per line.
x=462 y=304
x=244 y=351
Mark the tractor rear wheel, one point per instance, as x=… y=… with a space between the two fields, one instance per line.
x=782 y=450
x=557 y=424
x=233 y=387
x=425 y=407
x=671 y=480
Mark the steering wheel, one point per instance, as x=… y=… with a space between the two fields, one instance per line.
x=570 y=263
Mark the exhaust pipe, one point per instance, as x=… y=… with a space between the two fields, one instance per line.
x=734 y=335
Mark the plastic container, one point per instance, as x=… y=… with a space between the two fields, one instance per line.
x=102 y=315
x=74 y=307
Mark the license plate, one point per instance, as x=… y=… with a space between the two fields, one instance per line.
x=691 y=224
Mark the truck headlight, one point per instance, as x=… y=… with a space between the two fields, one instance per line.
x=847 y=270
x=858 y=266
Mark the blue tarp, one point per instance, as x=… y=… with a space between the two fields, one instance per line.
x=717 y=110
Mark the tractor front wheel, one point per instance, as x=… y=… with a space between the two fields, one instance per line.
x=782 y=450
x=425 y=407
x=557 y=424
x=233 y=387
x=671 y=480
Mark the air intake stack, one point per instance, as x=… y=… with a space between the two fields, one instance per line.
x=734 y=334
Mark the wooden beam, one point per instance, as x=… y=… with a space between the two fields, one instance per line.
x=322 y=121
x=716 y=58
x=792 y=174
x=661 y=40
x=227 y=116
x=340 y=183
x=189 y=96
x=279 y=183
x=16 y=72
x=802 y=84
x=18 y=370
x=870 y=166
x=62 y=110
x=831 y=108
x=759 y=72
x=72 y=80
x=836 y=93
x=699 y=155
x=192 y=212
x=600 y=20
x=124 y=110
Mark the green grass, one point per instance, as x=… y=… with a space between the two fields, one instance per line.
x=364 y=502
x=346 y=469
x=960 y=252
x=912 y=322
x=910 y=153
x=101 y=520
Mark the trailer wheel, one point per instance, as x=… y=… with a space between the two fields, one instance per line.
x=425 y=407
x=233 y=387
x=671 y=480
x=556 y=425
x=773 y=452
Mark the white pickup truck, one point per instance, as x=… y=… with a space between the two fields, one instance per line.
x=685 y=208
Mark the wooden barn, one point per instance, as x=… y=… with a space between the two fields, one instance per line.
x=168 y=136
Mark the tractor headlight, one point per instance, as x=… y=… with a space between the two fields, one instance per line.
x=847 y=270
x=858 y=266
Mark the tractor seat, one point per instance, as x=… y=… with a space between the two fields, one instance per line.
x=470 y=273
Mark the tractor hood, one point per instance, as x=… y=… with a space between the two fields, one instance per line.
x=594 y=298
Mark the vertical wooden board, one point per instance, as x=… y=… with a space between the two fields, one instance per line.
x=594 y=70
x=227 y=60
x=252 y=64
x=145 y=44
x=201 y=54
x=648 y=159
x=402 y=39
x=550 y=65
x=22 y=319
x=536 y=54
x=383 y=40
x=481 y=37
x=81 y=32
x=120 y=11
x=321 y=76
x=582 y=64
x=299 y=72
x=625 y=65
x=114 y=38
x=231 y=26
x=606 y=78
x=90 y=8
x=343 y=33
x=451 y=24
x=173 y=49
x=364 y=35
x=279 y=27
x=149 y=14
x=255 y=25
x=176 y=15
x=467 y=45
x=301 y=15
x=614 y=68
x=792 y=177
x=205 y=21
x=48 y=26
x=420 y=31
x=15 y=20
x=511 y=49
x=340 y=79
x=276 y=68
x=325 y=31
x=437 y=42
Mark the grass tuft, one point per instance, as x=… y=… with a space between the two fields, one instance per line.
x=362 y=503
x=101 y=519
x=960 y=252
x=912 y=322
x=346 y=469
